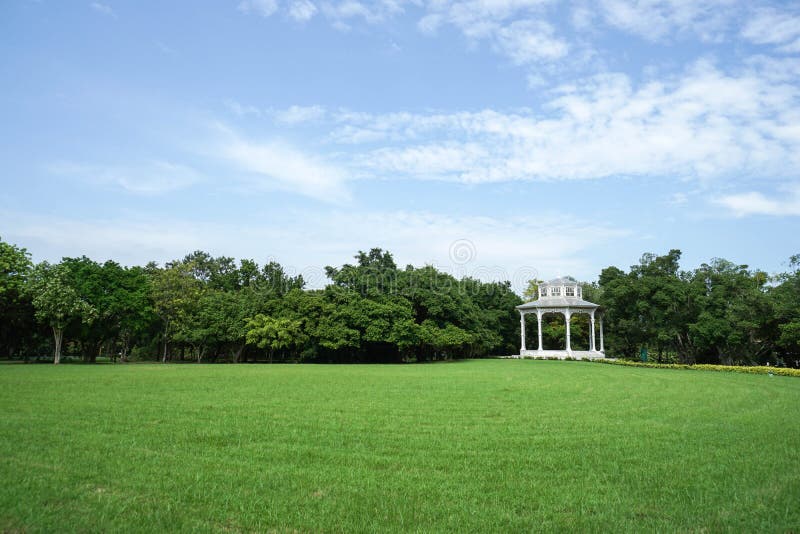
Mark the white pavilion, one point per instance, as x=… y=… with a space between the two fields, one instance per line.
x=562 y=295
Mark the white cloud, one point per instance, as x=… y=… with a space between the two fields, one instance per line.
x=241 y=110
x=515 y=28
x=255 y=166
x=655 y=20
x=130 y=240
x=704 y=124
x=772 y=27
x=305 y=241
x=529 y=31
x=480 y=18
x=265 y=8
x=105 y=9
x=526 y=41
x=149 y=178
x=301 y=10
x=299 y=114
x=582 y=16
x=342 y=12
x=756 y=203
x=277 y=165
x=550 y=247
x=780 y=70
x=437 y=161
x=429 y=24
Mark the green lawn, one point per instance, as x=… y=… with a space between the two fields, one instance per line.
x=495 y=445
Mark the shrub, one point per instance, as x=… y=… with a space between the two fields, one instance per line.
x=755 y=369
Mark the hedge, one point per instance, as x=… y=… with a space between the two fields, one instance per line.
x=755 y=370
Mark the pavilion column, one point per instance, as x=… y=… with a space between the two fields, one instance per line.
x=522 y=330
x=602 y=348
x=567 y=315
x=539 y=318
x=591 y=344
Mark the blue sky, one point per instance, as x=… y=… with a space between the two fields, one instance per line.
x=494 y=138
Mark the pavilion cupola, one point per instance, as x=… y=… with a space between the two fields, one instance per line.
x=566 y=287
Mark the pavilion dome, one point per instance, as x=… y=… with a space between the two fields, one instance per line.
x=559 y=292
x=566 y=287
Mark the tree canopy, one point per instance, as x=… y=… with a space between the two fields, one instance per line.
x=206 y=308
x=719 y=312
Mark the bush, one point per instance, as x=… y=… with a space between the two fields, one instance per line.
x=142 y=354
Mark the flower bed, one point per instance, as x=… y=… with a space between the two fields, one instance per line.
x=758 y=370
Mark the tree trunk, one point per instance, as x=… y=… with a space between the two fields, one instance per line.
x=166 y=332
x=237 y=357
x=58 y=334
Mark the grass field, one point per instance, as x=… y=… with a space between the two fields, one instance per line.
x=468 y=446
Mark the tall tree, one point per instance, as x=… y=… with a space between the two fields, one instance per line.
x=219 y=323
x=175 y=293
x=374 y=272
x=735 y=320
x=649 y=307
x=786 y=298
x=15 y=265
x=95 y=286
x=16 y=310
x=129 y=305
x=57 y=303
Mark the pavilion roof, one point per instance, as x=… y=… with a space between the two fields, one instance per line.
x=563 y=281
x=557 y=302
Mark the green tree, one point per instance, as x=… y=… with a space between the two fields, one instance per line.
x=16 y=310
x=374 y=272
x=532 y=290
x=15 y=266
x=786 y=299
x=174 y=292
x=220 y=322
x=274 y=334
x=735 y=321
x=438 y=299
x=651 y=306
x=497 y=328
x=130 y=307
x=57 y=303
x=120 y=296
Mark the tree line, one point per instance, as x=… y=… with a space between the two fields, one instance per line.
x=719 y=313
x=214 y=309
x=206 y=308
